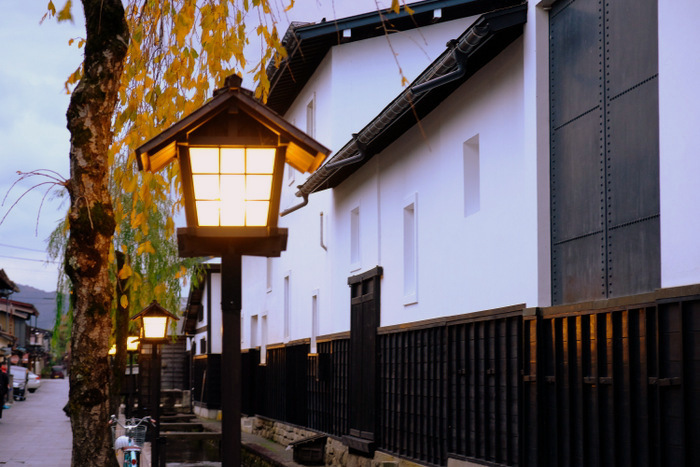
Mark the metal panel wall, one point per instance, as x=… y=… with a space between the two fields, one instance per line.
x=604 y=149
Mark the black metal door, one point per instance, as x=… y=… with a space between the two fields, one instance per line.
x=604 y=149
x=364 y=321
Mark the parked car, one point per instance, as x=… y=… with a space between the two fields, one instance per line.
x=34 y=382
x=19 y=383
x=57 y=372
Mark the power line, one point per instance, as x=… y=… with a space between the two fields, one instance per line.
x=30 y=259
x=22 y=248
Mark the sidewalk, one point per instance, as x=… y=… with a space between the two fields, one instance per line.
x=35 y=432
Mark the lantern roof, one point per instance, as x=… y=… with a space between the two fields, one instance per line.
x=154 y=309
x=230 y=109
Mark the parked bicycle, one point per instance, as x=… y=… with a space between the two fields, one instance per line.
x=129 y=438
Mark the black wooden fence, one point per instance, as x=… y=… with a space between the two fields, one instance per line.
x=609 y=383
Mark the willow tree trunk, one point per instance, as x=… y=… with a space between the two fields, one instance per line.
x=92 y=225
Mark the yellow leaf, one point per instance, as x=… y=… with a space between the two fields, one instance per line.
x=145 y=247
x=123 y=301
x=52 y=8
x=65 y=14
x=125 y=272
x=395 y=7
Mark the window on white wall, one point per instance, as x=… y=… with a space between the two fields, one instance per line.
x=472 y=183
x=314 y=321
x=268 y=274
x=410 y=250
x=355 y=239
x=263 y=340
x=254 y=331
x=287 y=306
x=311 y=117
x=322 y=230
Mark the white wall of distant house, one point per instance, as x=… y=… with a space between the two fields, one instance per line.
x=679 y=151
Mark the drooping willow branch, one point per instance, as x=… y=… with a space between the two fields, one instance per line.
x=54 y=179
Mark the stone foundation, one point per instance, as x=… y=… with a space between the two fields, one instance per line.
x=337 y=454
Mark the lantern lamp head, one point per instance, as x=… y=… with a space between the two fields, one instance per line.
x=155 y=321
x=231 y=153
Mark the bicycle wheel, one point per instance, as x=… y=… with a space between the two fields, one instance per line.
x=132 y=458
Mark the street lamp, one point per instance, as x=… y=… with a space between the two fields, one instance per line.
x=132 y=347
x=231 y=153
x=155 y=321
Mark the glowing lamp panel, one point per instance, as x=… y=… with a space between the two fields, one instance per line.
x=154 y=327
x=232 y=186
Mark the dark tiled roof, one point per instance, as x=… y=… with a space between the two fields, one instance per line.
x=308 y=43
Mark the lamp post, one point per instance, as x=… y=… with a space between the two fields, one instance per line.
x=155 y=321
x=231 y=153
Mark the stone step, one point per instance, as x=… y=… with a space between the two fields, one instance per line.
x=191 y=435
x=181 y=426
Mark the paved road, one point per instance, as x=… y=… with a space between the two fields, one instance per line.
x=36 y=432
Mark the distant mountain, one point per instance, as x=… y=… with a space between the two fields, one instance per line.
x=44 y=302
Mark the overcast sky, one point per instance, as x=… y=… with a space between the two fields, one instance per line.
x=35 y=61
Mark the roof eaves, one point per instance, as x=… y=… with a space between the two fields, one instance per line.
x=495 y=31
x=308 y=44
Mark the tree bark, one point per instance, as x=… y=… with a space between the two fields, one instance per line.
x=121 y=331
x=92 y=224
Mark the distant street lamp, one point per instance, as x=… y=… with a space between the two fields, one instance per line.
x=155 y=321
x=231 y=153
x=132 y=347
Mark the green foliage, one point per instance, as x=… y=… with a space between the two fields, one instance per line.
x=180 y=51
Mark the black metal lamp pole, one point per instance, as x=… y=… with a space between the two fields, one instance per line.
x=231 y=284
x=155 y=404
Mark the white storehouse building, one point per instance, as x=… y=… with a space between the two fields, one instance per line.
x=499 y=262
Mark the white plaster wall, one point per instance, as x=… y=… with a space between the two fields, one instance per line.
x=352 y=84
x=465 y=264
x=367 y=74
x=679 y=147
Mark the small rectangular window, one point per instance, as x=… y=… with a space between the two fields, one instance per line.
x=472 y=188
x=322 y=231
x=263 y=340
x=355 y=239
x=410 y=251
x=268 y=274
x=203 y=346
x=311 y=117
x=314 y=321
x=287 y=306
x=254 y=331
